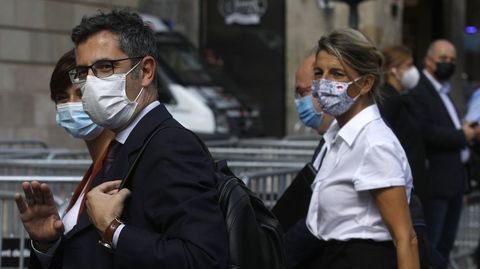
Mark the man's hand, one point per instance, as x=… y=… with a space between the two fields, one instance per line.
x=469 y=132
x=39 y=214
x=105 y=202
x=476 y=129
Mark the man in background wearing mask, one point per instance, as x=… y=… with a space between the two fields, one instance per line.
x=302 y=247
x=446 y=141
x=308 y=108
x=168 y=215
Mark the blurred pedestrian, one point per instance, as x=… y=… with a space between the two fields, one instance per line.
x=446 y=141
x=359 y=207
x=302 y=247
x=309 y=111
x=397 y=110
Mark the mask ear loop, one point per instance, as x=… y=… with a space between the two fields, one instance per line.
x=138 y=95
x=141 y=90
x=353 y=82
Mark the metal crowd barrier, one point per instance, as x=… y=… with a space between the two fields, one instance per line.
x=262 y=143
x=270 y=184
x=22 y=144
x=43 y=167
x=262 y=154
x=468 y=234
x=43 y=153
x=267 y=167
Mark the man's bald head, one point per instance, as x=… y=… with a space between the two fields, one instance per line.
x=439 y=51
x=440 y=46
x=303 y=87
x=304 y=76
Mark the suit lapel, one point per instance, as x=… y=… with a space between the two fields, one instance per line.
x=125 y=157
x=439 y=105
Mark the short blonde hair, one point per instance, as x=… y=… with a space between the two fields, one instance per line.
x=355 y=50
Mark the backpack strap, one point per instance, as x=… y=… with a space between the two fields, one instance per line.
x=140 y=153
x=144 y=146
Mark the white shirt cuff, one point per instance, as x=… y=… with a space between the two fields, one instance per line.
x=116 y=235
x=45 y=258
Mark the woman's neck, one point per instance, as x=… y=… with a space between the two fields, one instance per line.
x=361 y=103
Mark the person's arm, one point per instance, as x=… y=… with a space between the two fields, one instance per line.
x=473 y=111
x=393 y=206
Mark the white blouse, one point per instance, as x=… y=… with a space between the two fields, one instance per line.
x=363 y=155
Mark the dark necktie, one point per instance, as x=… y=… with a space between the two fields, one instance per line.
x=113 y=149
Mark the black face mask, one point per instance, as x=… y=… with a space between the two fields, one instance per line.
x=444 y=70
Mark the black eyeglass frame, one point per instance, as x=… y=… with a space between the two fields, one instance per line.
x=75 y=78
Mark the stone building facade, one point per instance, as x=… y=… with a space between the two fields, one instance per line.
x=35 y=33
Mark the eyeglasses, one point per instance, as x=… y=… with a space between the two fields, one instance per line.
x=101 y=69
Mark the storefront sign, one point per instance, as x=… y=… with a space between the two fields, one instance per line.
x=242 y=11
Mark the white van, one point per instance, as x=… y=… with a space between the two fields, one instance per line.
x=196 y=97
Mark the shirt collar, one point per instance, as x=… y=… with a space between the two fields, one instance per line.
x=350 y=131
x=441 y=88
x=123 y=135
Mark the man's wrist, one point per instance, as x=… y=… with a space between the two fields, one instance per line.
x=107 y=236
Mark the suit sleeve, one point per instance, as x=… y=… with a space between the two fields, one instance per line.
x=435 y=135
x=54 y=263
x=174 y=188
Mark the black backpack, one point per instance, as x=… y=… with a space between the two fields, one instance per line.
x=255 y=236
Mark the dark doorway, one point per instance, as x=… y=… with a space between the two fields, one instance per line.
x=422 y=23
x=251 y=55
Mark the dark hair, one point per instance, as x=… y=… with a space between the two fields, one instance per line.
x=354 y=49
x=135 y=38
x=60 y=81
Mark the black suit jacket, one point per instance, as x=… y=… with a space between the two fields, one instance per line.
x=399 y=115
x=172 y=218
x=443 y=142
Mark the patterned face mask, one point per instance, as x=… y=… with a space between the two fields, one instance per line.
x=332 y=95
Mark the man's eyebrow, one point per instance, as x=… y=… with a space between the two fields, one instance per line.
x=96 y=61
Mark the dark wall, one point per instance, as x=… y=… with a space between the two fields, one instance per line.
x=253 y=56
x=472 y=40
x=422 y=23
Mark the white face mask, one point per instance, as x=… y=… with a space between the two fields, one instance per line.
x=410 y=78
x=105 y=100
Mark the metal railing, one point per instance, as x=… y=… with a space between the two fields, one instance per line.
x=22 y=144
x=468 y=234
x=266 y=166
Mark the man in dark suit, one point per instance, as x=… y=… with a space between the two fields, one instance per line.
x=302 y=247
x=168 y=215
x=446 y=141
